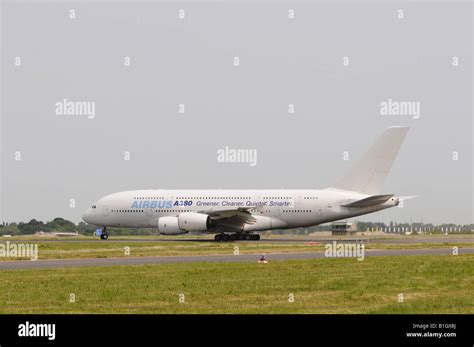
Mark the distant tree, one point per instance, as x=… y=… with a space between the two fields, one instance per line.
x=31 y=227
x=10 y=229
x=60 y=225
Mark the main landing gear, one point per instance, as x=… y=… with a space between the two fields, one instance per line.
x=104 y=235
x=237 y=237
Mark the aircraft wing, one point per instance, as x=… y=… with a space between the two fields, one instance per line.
x=232 y=219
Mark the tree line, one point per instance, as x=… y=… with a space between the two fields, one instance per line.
x=63 y=225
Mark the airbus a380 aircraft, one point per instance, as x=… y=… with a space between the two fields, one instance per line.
x=238 y=214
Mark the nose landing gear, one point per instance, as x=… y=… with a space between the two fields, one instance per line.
x=104 y=235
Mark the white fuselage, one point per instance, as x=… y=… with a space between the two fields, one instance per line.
x=272 y=209
x=239 y=212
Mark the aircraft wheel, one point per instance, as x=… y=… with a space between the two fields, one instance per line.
x=218 y=237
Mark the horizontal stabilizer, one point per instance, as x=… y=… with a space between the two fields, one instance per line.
x=370 y=201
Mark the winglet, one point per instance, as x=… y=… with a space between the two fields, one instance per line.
x=407 y=197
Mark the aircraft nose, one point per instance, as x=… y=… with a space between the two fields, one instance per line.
x=86 y=215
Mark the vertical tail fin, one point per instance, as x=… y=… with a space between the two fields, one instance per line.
x=368 y=173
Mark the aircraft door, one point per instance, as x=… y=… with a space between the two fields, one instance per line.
x=149 y=212
x=258 y=207
x=278 y=211
x=297 y=200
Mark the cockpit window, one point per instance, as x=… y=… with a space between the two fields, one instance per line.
x=93 y=206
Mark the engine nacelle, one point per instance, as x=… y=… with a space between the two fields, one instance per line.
x=169 y=226
x=191 y=221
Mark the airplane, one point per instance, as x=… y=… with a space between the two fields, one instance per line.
x=242 y=214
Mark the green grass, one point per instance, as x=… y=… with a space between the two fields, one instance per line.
x=430 y=284
x=109 y=249
x=106 y=249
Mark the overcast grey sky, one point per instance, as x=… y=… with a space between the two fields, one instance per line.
x=424 y=57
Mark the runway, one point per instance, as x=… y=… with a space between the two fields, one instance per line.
x=364 y=239
x=66 y=263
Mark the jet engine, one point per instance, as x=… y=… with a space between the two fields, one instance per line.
x=185 y=222
x=169 y=226
x=191 y=221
